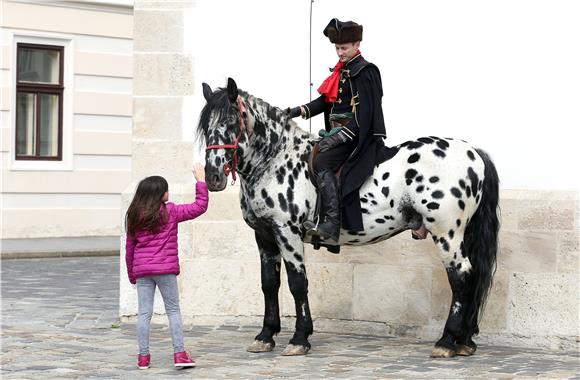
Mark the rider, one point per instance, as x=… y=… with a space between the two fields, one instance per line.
x=353 y=116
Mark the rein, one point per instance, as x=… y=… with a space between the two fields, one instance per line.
x=230 y=166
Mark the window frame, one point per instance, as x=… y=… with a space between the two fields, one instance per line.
x=38 y=89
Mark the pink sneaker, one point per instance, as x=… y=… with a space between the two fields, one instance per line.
x=143 y=361
x=182 y=359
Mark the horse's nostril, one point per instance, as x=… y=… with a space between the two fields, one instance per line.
x=216 y=178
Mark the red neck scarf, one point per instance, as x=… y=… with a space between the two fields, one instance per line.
x=329 y=88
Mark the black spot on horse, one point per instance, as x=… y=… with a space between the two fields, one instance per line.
x=364 y=200
x=432 y=205
x=282 y=201
x=471 y=155
x=270 y=202
x=374 y=203
x=272 y=114
x=380 y=220
x=408 y=181
x=458 y=222
x=259 y=128
x=420 y=188
x=451 y=234
x=289 y=165
x=386 y=175
x=370 y=195
x=426 y=140
x=291 y=181
x=364 y=210
x=461 y=204
x=298 y=257
x=423 y=201
x=385 y=191
x=430 y=220
x=468 y=192
x=376 y=182
x=392 y=204
x=280 y=178
x=437 y=194
x=414 y=145
x=456 y=192
x=434 y=179
x=462 y=184
x=419 y=178
x=411 y=173
x=442 y=144
x=295 y=230
x=273 y=138
x=413 y=158
x=474 y=180
x=439 y=153
x=264 y=194
x=444 y=244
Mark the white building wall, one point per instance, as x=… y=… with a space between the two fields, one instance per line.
x=79 y=196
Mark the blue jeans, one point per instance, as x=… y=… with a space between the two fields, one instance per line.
x=167 y=284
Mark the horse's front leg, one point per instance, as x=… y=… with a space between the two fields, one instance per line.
x=270 y=263
x=292 y=249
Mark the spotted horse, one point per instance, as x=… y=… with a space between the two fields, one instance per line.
x=444 y=184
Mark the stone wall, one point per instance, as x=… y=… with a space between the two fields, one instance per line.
x=395 y=287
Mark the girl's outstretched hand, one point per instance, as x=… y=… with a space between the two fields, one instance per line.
x=198 y=172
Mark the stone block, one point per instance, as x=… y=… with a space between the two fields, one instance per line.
x=547 y=214
x=526 y=251
x=509 y=213
x=172 y=160
x=392 y=294
x=228 y=240
x=495 y=312
x=162 y=74
x=224 y=206
x=543 y=304
x=329 y=291
x=569 y=252
x=220 y=287
x=157 y=118
x=158 y=30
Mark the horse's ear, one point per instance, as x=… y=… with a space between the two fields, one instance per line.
x=207 y=92
x=232 y=90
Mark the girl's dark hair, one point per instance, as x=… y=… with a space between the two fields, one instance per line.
x=145 y=212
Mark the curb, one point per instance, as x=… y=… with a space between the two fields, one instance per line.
x=48 y=254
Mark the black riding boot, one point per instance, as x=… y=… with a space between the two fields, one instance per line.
x=329 y=224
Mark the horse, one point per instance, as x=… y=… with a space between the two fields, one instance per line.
x=448 y=186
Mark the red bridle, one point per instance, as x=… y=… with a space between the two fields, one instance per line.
x=230 y=167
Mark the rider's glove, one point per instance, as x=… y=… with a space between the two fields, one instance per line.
x=333 y=141
x=293 y=112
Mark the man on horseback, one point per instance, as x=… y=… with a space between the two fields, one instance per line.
x=353 y=141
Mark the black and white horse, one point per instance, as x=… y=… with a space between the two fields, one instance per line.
x=448 y=185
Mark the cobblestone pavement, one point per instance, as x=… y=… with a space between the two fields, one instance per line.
x=59 y=321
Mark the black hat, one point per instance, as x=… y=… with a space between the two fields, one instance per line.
x=339 y=32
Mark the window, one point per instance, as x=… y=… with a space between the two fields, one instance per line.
x=39 y=100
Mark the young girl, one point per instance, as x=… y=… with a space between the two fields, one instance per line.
x=151 y=255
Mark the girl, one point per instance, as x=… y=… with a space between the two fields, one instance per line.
x=151 y=255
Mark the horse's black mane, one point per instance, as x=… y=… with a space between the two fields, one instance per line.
x=219 y=101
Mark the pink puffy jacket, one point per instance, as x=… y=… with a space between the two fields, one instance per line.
x=150 y=254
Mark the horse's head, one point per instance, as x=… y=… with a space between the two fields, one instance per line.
x=224 y=123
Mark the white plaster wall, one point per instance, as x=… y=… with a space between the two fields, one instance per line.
x=500 y=74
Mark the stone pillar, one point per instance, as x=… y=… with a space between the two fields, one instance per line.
x=162 y=77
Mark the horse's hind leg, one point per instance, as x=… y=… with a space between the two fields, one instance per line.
x=270 y=262
x=456 y=338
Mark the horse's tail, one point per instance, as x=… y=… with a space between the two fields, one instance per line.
x=481 y=243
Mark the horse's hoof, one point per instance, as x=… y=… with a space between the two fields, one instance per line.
x=442 y=352
x=292 y=350
x=463 y=350
x=260 y=346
